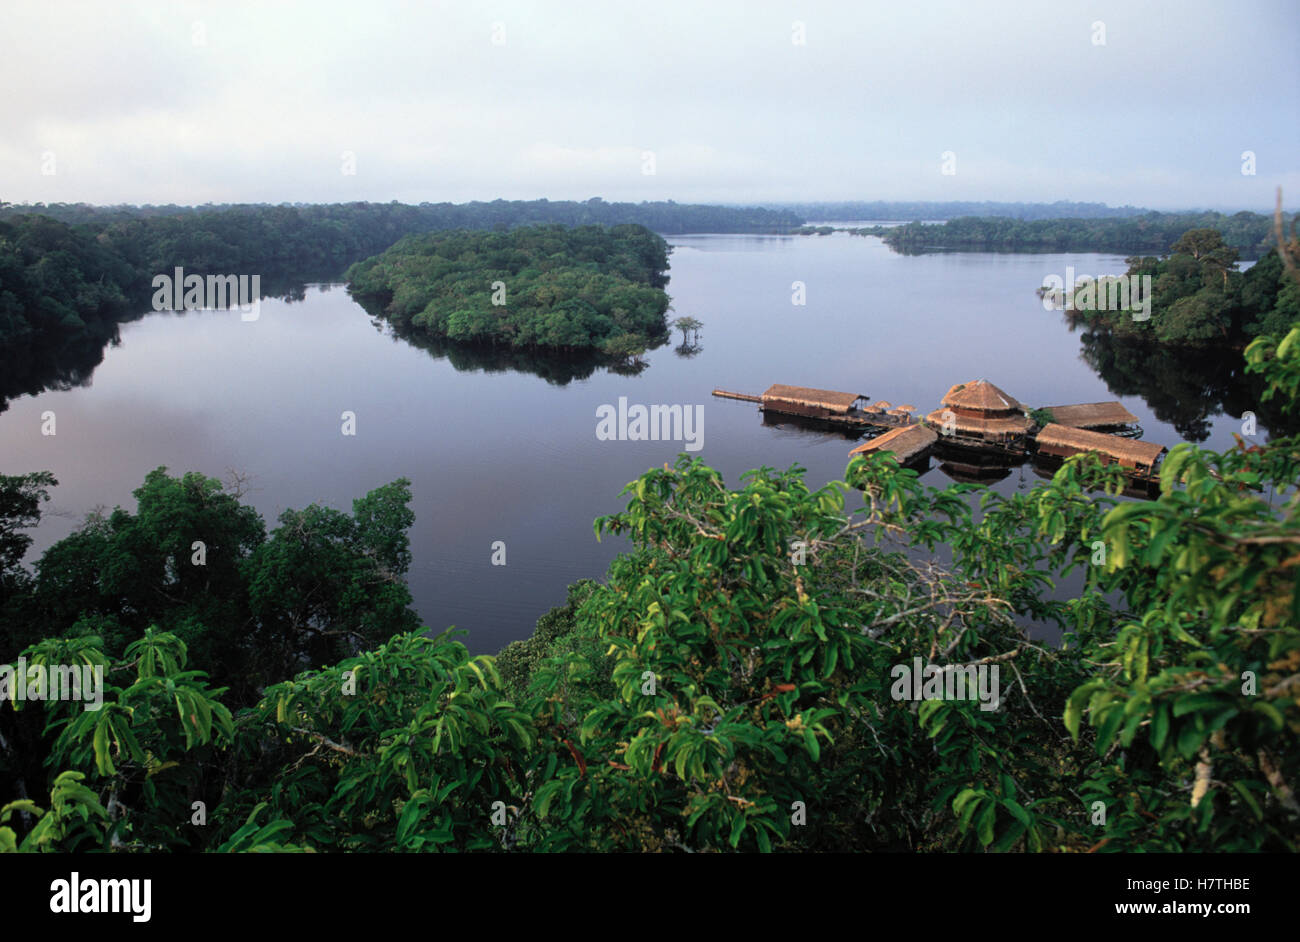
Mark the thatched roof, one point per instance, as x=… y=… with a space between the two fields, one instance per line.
x=906 y=443
x=882 y=405
x=907 y=407
x=1092 y=415
x=981 y=395
x=975 y=425
x=806 y=395
x=1062 y=441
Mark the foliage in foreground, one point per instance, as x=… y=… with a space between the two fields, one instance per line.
x=743 y=701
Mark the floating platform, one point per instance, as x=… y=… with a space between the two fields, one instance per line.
x=844 y=409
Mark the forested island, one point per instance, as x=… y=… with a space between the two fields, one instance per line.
x=588 y=287
x=1249 y=233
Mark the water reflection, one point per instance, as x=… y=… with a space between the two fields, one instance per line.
x=1184 y=387
x=30 y=369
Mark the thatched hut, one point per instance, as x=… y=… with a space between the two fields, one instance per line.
x=1060 y=441
x=1093 y=415
x=804 y=400
x=909 y=444
x=981 y=413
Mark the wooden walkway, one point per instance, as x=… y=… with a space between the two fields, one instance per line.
x=727 y=394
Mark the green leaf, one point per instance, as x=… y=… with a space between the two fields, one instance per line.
x=1160 y=727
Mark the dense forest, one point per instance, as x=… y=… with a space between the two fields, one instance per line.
x=1199 y=298
x=540 y=286
x=318 y=222
x=56 y=281
x=729 y=684
x=1249 y=233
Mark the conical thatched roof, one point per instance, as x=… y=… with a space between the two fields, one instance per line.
x=995 y=427
x=981 y=395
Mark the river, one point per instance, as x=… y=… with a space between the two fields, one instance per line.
x=505 y=448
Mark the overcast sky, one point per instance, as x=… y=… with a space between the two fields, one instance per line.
x=192 y=102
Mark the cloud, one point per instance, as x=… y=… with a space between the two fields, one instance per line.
x=189 y=102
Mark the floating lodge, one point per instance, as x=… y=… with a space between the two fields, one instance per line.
x=977 y=418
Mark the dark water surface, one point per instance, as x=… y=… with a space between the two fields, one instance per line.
x=508 y=455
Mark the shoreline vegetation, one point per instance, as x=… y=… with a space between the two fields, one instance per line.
x=1251 y=234
x=1198 y=297
x=69 y=270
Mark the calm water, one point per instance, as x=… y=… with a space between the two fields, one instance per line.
x=507 y=455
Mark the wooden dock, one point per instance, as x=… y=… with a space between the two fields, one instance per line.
x=727 y=394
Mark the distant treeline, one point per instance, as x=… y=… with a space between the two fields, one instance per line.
x=894 y=211
x=664 y=216
x=1249 y=233
x=582 y=288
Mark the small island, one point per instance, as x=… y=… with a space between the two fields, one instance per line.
x=582 y=289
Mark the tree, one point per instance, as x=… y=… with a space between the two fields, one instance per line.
x=21 y=497
x=1206 y=246
x=689 y=327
